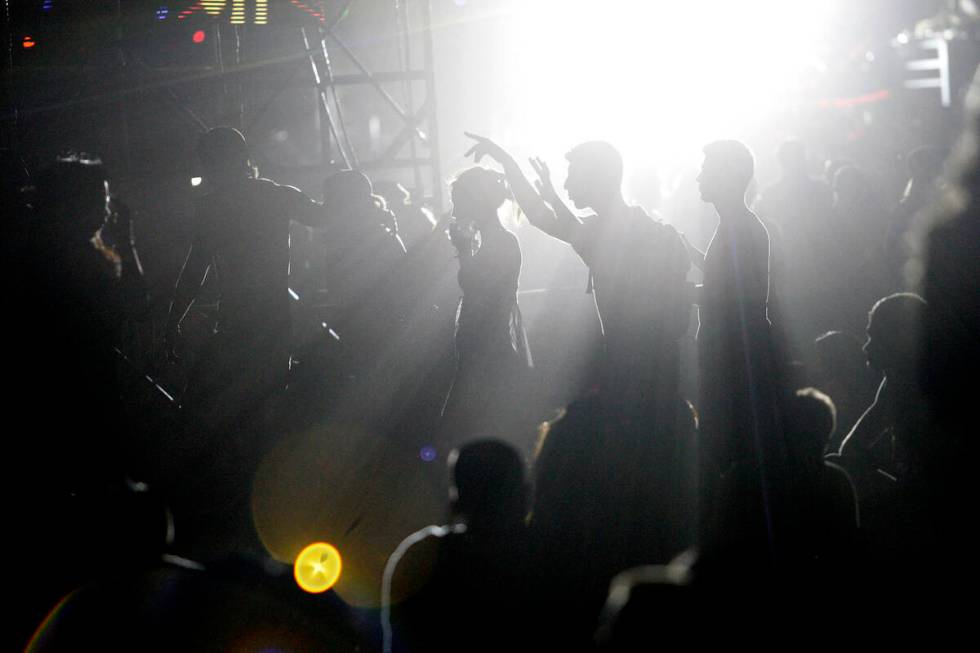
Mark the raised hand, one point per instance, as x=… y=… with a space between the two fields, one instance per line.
x=543 y=184
x=486 y=147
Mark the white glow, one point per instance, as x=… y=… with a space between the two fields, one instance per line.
x=654 y=74
x=195 y=181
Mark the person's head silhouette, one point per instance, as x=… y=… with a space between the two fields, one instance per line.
x=477 y=193
x=224 y=155
x=810 y=418
x=893 y=328
x=346 y=191
x=595 y=175
x=726 y=172
x=488 y=488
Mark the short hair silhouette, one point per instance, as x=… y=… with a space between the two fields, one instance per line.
x=347 y=187
x=734 y=157
x=810 y=420
x=223 y=150
x=487 y=483
x=893 y=327
x=482 y=185
x=601 y=162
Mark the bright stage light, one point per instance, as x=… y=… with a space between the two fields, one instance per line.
x=655 y=75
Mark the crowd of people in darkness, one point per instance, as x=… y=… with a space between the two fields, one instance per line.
x=817 y=478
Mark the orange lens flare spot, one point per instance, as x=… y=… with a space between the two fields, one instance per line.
x=29 y=42
x=317 y=567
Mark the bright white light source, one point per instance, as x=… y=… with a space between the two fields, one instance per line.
x=660 y=76
x=195 y=181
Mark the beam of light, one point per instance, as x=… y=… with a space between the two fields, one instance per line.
x=317 y=567
x=663 y=76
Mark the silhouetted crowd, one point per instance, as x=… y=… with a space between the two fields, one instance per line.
x=813 y=483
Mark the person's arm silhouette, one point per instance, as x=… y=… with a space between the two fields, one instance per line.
x=557 y=220
x=550 y=195
x=302 y=209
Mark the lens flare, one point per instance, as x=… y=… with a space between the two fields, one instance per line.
x=317 y=567
x=351 y=488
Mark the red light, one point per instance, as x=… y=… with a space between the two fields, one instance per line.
x=29 y=42
x=199 y=36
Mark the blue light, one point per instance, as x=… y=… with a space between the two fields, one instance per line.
x=48 y=5
x=428 y=453
x=162 y=12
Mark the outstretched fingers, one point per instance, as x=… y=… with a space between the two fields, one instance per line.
x=479 y=149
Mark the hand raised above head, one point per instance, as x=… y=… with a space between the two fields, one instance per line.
x=486 y=147
x=543 y=184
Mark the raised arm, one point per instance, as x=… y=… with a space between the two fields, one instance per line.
x=546 y=189
x=556 y=220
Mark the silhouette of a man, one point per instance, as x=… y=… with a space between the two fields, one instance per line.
x=242 y=236
x=738 y=375
x=898 y=409
x=637 y=268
